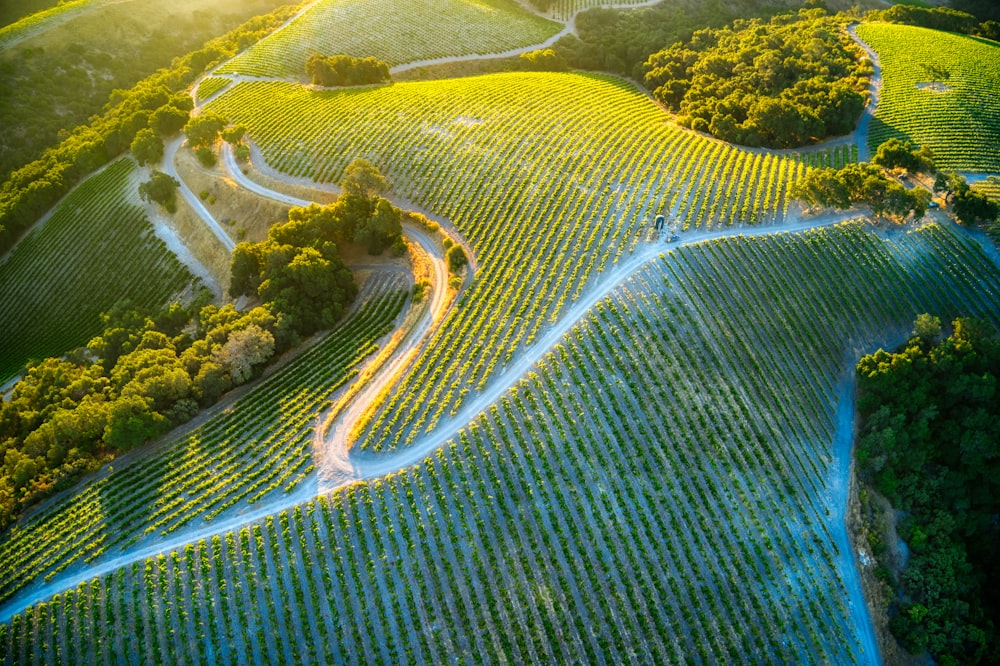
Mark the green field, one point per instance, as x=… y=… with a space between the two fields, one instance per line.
x=96 y=250
x=656 y=486
x=545 y=204
x=395 y=31
x=939 y=90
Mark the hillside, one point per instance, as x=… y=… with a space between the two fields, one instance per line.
x=939 y=90
x=621 y=432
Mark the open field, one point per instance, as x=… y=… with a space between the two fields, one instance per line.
x=394 y=31
x=544 y=207
x=634 y=494
x=940 y=90
x=97 y=249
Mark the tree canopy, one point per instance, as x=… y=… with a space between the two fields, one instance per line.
x=929 y=441
x=786 y=82
x=864 y=184
x=344 y=70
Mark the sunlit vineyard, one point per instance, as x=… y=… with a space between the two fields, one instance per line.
x=394 y=31
x=940 y=90
x=210 y=85
x=656 y=488
x=563 y=10
x=545 y=204
x=97 y=249
x=259 y=447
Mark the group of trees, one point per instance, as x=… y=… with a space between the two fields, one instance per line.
x=297 y=271
x=344 y=70
x=968 y=205
x=139 y=378
x=157 y=103
x=864 y=184
x=786 y=82
x=929 y=443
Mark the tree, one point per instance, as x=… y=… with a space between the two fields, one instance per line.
x=310 y=290
x=161 y=189
x=147 y=147
x=362 y=179
x=204 y=129
x=246 y=351
x=543 y=60
x=382 y=229
x=456 y=258
x=233 y=135
x=343 y=70
x=970 y=207
x=168 y=120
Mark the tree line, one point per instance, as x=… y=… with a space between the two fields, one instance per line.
x=157 y=103
x=928 y=442
x=344 y=70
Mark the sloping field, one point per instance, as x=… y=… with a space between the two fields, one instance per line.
x=661 y=489
x=258 y=448
x=940 y=90
x=562 y=10
x=551 y=177
x=395 y=31
x=96 y=250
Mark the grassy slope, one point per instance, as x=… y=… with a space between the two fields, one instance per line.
x=961 y=123
x=97 y=250
x=657 y=488
x=397 y=32
x=59 y=78
x=551 y=177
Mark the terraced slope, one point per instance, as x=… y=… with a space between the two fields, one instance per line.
x=97 y=249
x=940 y=90
x=259 y=448
x=395 y=31
x=551 y=178
x=660 y=489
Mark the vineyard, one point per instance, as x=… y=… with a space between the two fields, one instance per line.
x=563 y=10
x=939 y=90
x=545 y=207
x=657 y=487
x=394 y=31
x=258 y=448
x=97 y=249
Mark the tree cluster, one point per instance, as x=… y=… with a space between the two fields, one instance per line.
x=786 y=82
x=140 y=378
x=297 y=271
x=968 y=205
x=158 y=102
x=543 y=60
x=964 y=17
x=343 y=70
x=930 y=442
x=861 y=184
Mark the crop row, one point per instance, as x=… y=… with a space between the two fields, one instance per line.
x=657 y=487
x=394 y=31
x=563 y=10
x=257 y=448
x=96 y=250
x=551 y=177
x=834 y=157
x=939 y=90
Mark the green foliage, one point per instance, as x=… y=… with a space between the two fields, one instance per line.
x=790 y=81
x=161 y=188
x=168 y=120
x=406 y=31
x=543 y=60
x=204 y=129
x=456 y=258
x=343 y=70
x=147 y=147
x=863 y=184
x=970 y=206
x=928 y=441
x=896 y=154
x=935 y=18
x=940 y=92
x=31 y=190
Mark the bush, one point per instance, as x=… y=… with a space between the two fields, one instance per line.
x=161 y=188
x=206 y=156
x=456 y=258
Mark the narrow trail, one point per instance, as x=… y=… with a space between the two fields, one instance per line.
x=860 y=135
x=170 y=168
